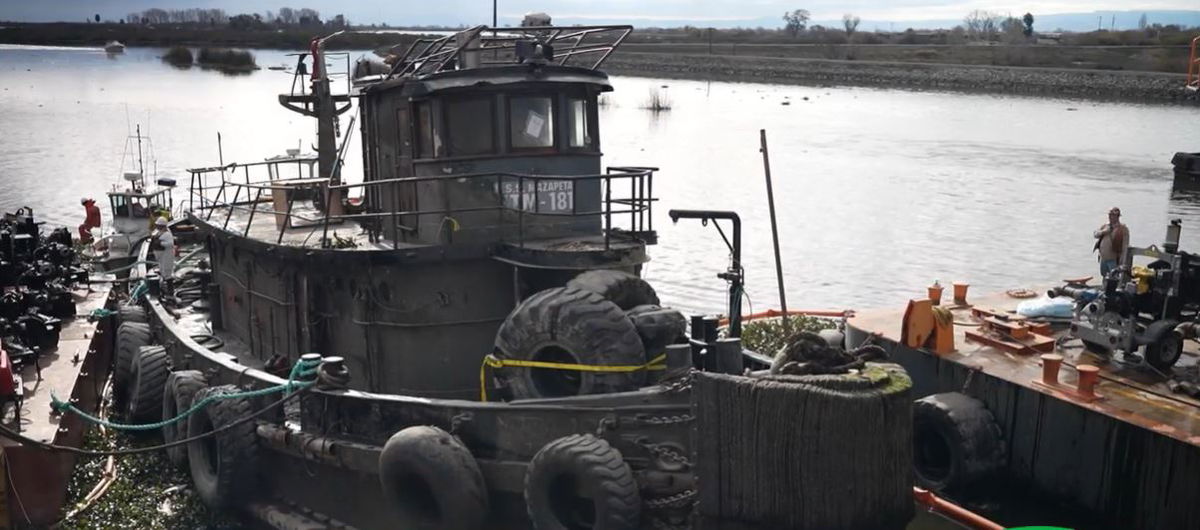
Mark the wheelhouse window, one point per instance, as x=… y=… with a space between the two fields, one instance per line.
x=470 y=126
x=579 y=124
x=531 y=122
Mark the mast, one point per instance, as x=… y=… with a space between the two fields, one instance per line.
x=141 y=166
x=326 y=114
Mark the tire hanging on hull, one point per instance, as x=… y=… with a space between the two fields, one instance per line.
x=432 y=481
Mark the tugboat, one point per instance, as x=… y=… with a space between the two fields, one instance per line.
x=488 y=355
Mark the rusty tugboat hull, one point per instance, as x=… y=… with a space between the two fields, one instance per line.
x=486 y=353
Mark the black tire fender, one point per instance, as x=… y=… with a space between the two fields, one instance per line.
x=432 y=481
x=132 y=313
x=581 y=463
x=131 y=337
x=225 y=466
x=151 y=367
x=178 y=393
x=657 y=327
x=956 y=442
x=571 y=326
x=626 y=290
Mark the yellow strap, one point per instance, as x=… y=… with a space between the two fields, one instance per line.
x=657 y=363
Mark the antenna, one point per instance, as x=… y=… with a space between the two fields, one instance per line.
x=141 y=166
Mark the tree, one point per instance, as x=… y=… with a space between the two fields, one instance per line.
x=850 y=22
x=287 y=16
x=795 y=21
x=97 y=17
x=1028 y=20
x=1142 y=22
x=982 y=24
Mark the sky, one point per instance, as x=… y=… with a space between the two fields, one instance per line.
x=716 y=13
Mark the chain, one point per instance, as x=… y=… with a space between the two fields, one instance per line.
x=678 y=500
x=679 y=384
x=668 y=457
x=666 y=420
x=970 y=377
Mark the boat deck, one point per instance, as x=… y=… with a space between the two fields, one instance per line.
x=304 y=231
x=60 y=369
x=1129 y=394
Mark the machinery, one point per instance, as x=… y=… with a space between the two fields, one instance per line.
x=1150 y=308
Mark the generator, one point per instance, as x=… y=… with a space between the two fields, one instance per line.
x=1142 y=312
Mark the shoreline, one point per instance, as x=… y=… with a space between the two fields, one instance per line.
x=1100 y=85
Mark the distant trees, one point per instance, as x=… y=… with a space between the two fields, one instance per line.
x=287 y=16
x=982 y=25
x=850 y=22
x=1142 y=23
x=1028 y=21
x=795 y=21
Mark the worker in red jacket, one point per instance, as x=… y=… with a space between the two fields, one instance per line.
x=91 y=221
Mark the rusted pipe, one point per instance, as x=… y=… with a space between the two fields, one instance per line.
x=1051 y=363
x=953 y=511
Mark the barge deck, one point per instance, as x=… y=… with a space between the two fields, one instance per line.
x=1128 y=452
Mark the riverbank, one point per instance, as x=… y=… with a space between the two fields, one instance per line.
x=195 y=35
x=1145 y=87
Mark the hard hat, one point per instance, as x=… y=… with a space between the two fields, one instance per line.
x=161 y=221
x=84 y=200
x=1115 y=211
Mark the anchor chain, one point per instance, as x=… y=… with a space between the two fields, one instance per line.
x=678 y=500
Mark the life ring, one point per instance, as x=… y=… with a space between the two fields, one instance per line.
x=432 y=481
x=224 y=467
x=580 y=481
x=956 y=442
x=1021 y=292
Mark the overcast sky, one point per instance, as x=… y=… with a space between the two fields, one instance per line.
x=638 y=12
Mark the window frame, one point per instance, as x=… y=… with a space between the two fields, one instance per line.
x=591 y=115
x=555 y=142
x=447 y=144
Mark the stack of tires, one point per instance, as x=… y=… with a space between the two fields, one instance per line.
x=146 y=390
x=805 y=451
x=600 y=318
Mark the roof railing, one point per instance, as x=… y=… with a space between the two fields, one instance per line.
x=631 y=206
x=500 y=46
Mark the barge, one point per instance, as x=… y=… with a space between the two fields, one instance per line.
x=1009 y=403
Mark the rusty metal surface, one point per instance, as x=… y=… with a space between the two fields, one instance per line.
x=1130 y=395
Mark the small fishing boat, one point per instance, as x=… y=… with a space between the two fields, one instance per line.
x=114 y=47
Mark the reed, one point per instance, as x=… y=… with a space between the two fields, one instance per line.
x=179 y=56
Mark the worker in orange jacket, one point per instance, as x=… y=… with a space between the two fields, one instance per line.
x=91 y=221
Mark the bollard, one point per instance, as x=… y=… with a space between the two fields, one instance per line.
x=1051 y=363
x=679 y=360
x=1088 y=375
x=727 y=356
x=960 y=293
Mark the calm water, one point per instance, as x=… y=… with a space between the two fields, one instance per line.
x=879 y=192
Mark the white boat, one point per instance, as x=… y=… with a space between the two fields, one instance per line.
x=114 y=47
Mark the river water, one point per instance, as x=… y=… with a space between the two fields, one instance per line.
x=879 y=192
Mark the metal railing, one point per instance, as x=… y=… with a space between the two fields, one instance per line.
x=1193 y=73
x=512 y=195
x=429 y=56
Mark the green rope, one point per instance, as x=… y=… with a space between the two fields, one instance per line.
x=139 y=290
x=101 y=312
x=302 y=369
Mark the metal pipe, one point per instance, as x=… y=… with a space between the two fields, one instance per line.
x=774 y=231
x=953 y=511
x=734 y=278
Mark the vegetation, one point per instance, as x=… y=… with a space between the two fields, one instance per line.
x=226 y=59
x=767 y=336
x=179 y=56
x=795 y=21
x=193 y=34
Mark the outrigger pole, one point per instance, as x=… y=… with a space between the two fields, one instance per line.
x=774 y=231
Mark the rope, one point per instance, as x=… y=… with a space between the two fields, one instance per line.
x=657 y=363
x=302 y=368
x=13 y=435
x=943 y=316
x=139 y=290
x=127 y=267
x=99 y=313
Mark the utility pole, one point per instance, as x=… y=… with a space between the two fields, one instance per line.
x=494 y=12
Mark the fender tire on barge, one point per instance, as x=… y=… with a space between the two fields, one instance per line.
x=581 y=462
x=224 y=467
x=621 y=288
x=178 y=394
x=432 y=481
x=131 y=337
x=146 y=384
x=568 y=325
x=957 y=441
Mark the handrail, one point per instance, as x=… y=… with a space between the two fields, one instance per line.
x=638 y=204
